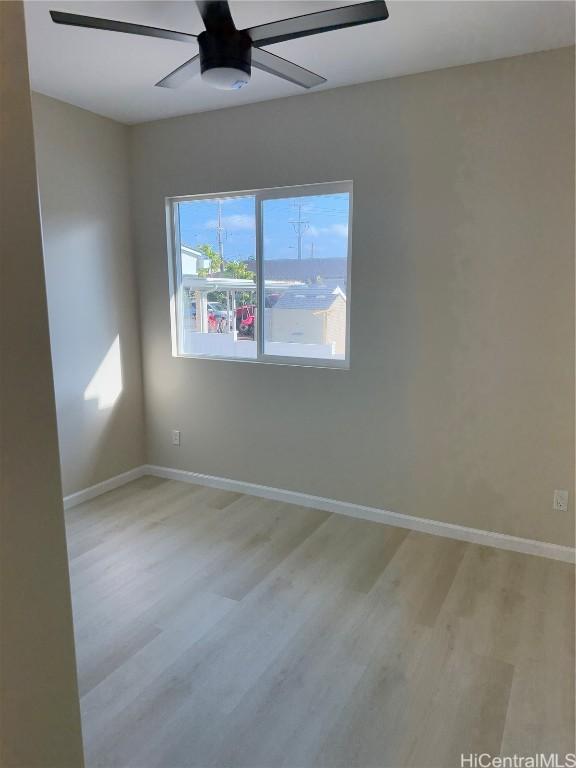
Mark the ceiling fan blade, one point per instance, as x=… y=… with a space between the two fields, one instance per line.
x=275 y=65
x=181 y=74
x=320 y=21
x=92 y=22
x=216 y=15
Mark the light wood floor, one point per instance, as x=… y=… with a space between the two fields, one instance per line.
x=220 y=630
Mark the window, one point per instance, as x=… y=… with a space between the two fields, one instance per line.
x=262 y=276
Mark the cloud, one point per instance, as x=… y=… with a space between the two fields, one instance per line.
x=340 y=230
x=236 y=221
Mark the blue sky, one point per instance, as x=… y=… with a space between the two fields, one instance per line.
x=324 y=226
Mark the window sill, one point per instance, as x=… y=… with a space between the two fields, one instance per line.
x=333 y=365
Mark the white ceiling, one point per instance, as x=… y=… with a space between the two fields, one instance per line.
x=113 y=74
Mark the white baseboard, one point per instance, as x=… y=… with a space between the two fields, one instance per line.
x=106 y=485
x=435 y=527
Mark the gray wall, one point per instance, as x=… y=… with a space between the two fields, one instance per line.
x=85 y=204
x=459 y=403
x=39 y=709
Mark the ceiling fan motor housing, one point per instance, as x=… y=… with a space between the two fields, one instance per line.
x=225 y=59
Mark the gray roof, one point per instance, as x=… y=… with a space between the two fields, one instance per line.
x=307 y=297
x=304 y=270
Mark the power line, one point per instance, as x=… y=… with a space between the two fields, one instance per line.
x=220 y=234
x=300 y=226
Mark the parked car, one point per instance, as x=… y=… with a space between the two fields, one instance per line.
x=217 y=315
x=245 y=320
x=219 y=311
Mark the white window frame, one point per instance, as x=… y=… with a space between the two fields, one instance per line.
x=260 y=195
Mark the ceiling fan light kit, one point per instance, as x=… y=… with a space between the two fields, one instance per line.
x=225 y=61
x=226 y=54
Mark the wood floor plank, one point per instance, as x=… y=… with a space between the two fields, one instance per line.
x=466 y=715
x=222 y=499
x=148 y=501
x=541 y=714
x=378 y=722
x=180 y=628
x=217 y=630
x=513 y=607
x=177 y=551
x=420 y=576
x=219 y=670
x=312 y=668
x=96 y=666
x=297 y=524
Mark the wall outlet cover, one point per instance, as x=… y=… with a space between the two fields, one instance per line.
x=561 y=501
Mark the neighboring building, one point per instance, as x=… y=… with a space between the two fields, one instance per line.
x=309 y=315
x=192 y=260
x=331 y=273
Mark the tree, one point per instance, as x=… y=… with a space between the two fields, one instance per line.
x=214 y=257
x=232 y=268
x=238 y=269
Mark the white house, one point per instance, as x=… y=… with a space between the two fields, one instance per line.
x=192 y=260
x=310 y=315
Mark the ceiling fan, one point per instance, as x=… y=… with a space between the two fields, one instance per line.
x=227 y=54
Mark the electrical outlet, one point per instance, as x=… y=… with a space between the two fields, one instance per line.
x=175 y=437
x=561 y=501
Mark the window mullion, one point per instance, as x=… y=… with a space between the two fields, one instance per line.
x=260 y=292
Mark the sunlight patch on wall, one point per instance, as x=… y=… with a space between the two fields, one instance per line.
x=106 y=384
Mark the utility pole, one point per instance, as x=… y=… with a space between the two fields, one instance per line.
x=300 y=226
x=220 y=233
x=312 y=249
